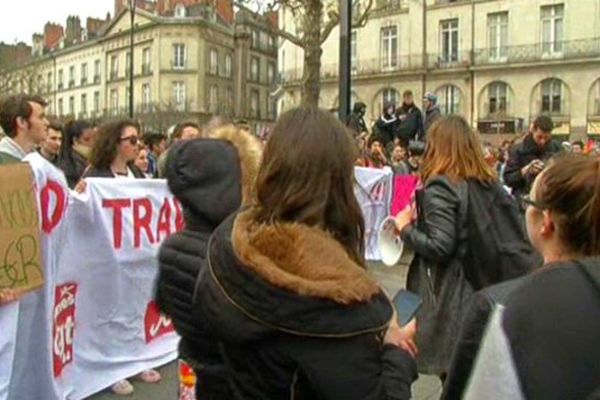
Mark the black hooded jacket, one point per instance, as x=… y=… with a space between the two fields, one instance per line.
x=356 y=122
x=208 y=177
x=297 y=318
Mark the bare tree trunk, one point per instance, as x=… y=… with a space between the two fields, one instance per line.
x=312 y=53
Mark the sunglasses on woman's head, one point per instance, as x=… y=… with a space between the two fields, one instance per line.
x=133 y=140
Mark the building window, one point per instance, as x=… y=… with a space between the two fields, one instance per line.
x=389 y=47
x=497 y=97
x=84 y=74
x=179 y=95
x=180 y=11
x=255 y=39
x=254 y=103
x=114 y=101
x=114 y=67
x=271 y=73
x=228 y=65
x=596 y=110
x=498 y=35
x=179 y=56
x=552 y=96
x=353 y=49
x=449 y=40
x=213 y=98
x=449 y=99
x=71 y=76
x=271 y=42
x=214 y=61
x=146 y=99
x=49 y=82
x=72 y=106
x=552 y=28
x=128 y=64
x=97 y=71
x=146 y=61
x=83 y=108
x=60 y=79
x=254 y=68
x=96 y=102
x=61 y=110
x=389 y=95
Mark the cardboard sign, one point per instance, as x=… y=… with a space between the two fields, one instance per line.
x=20 y=249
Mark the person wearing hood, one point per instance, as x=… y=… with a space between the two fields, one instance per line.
x=211 y=178
x=75 y=151
x=432 y=113
x=543 y=342
x=387 y=124
x=286 y=291
x=527 y=158
x=356 y=122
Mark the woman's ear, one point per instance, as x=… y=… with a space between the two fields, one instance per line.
x=548 y=226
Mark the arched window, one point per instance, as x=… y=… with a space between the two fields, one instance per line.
x=449 y=99
x=552 y=97
x=497 y=98
x=180 y=11
x=389 y=95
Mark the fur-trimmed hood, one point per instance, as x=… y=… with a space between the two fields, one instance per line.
x=293 y=278
x=212 y=177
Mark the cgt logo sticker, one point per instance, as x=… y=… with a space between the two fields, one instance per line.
x=64 y=326
x=155 y=323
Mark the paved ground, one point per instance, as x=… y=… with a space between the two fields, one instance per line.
x=426 y=388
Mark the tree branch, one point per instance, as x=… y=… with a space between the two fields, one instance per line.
x=361 y=21
x=279 y=32
x=334 y=20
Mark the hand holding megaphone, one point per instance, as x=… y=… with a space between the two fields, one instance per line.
x=391 y=246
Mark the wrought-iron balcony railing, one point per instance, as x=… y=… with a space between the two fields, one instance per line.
x=456 y=59
x=563 y=50
x=96 y=78
x=72 y=83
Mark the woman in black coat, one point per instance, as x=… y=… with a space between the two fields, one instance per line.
x=438 y=238
x=77 y=144
x=286 y=292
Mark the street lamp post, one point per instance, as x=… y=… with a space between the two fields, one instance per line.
x=132 y=12
x=345 y=78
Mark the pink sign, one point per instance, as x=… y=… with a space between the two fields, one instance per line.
x=404 y=190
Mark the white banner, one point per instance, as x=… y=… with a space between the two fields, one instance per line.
x=374 y=193
x=93 y=323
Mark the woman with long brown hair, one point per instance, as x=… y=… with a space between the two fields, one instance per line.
x=454 y=156
x=286 y=292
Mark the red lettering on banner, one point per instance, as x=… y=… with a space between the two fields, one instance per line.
x=179 y=221
x=142 y=222
x=117 y=205
x=63 y=326
x=164 y=221
x=155 y=323
x=49 y=222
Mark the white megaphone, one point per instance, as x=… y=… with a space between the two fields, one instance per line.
x=390 y=244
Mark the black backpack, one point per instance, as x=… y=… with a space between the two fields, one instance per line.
x=497 y=247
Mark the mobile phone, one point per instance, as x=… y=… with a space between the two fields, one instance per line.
x=407 y=305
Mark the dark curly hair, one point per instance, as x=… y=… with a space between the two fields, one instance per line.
x=105 y=149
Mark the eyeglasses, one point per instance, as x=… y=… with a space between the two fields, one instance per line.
x=133 y=140
x=526 y=201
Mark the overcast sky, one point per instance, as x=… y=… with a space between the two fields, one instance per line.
x=25 y=17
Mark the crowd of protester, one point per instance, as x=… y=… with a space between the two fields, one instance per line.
x=267 y=284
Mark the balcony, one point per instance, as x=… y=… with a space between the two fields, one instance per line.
x=146 y=69
x=539 y=52
x=459 y=59
x=71 y=83
x=84 y=81
x=96 y=79
x=445 y=2
x=60 y=86
x=113 y=76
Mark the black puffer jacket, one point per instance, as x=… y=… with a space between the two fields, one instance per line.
x=520 y=156
x=211 y=178
x=436 y=272
x=297 y=318
x=73 y=165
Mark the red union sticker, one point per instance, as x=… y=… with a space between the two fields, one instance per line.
x=155 y=323
x=64 y=326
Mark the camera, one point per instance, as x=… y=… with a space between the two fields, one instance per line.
x=416 y=148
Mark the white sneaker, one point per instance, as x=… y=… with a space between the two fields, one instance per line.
x=150 y=376
x=122 y=388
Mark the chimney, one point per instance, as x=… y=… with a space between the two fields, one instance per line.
x=37 y=48
x=273 y=18
x=225 y=10
x=52 y=35
x=73 y=31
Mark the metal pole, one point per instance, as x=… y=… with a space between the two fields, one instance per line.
x=345 y=60
x=132 y=11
